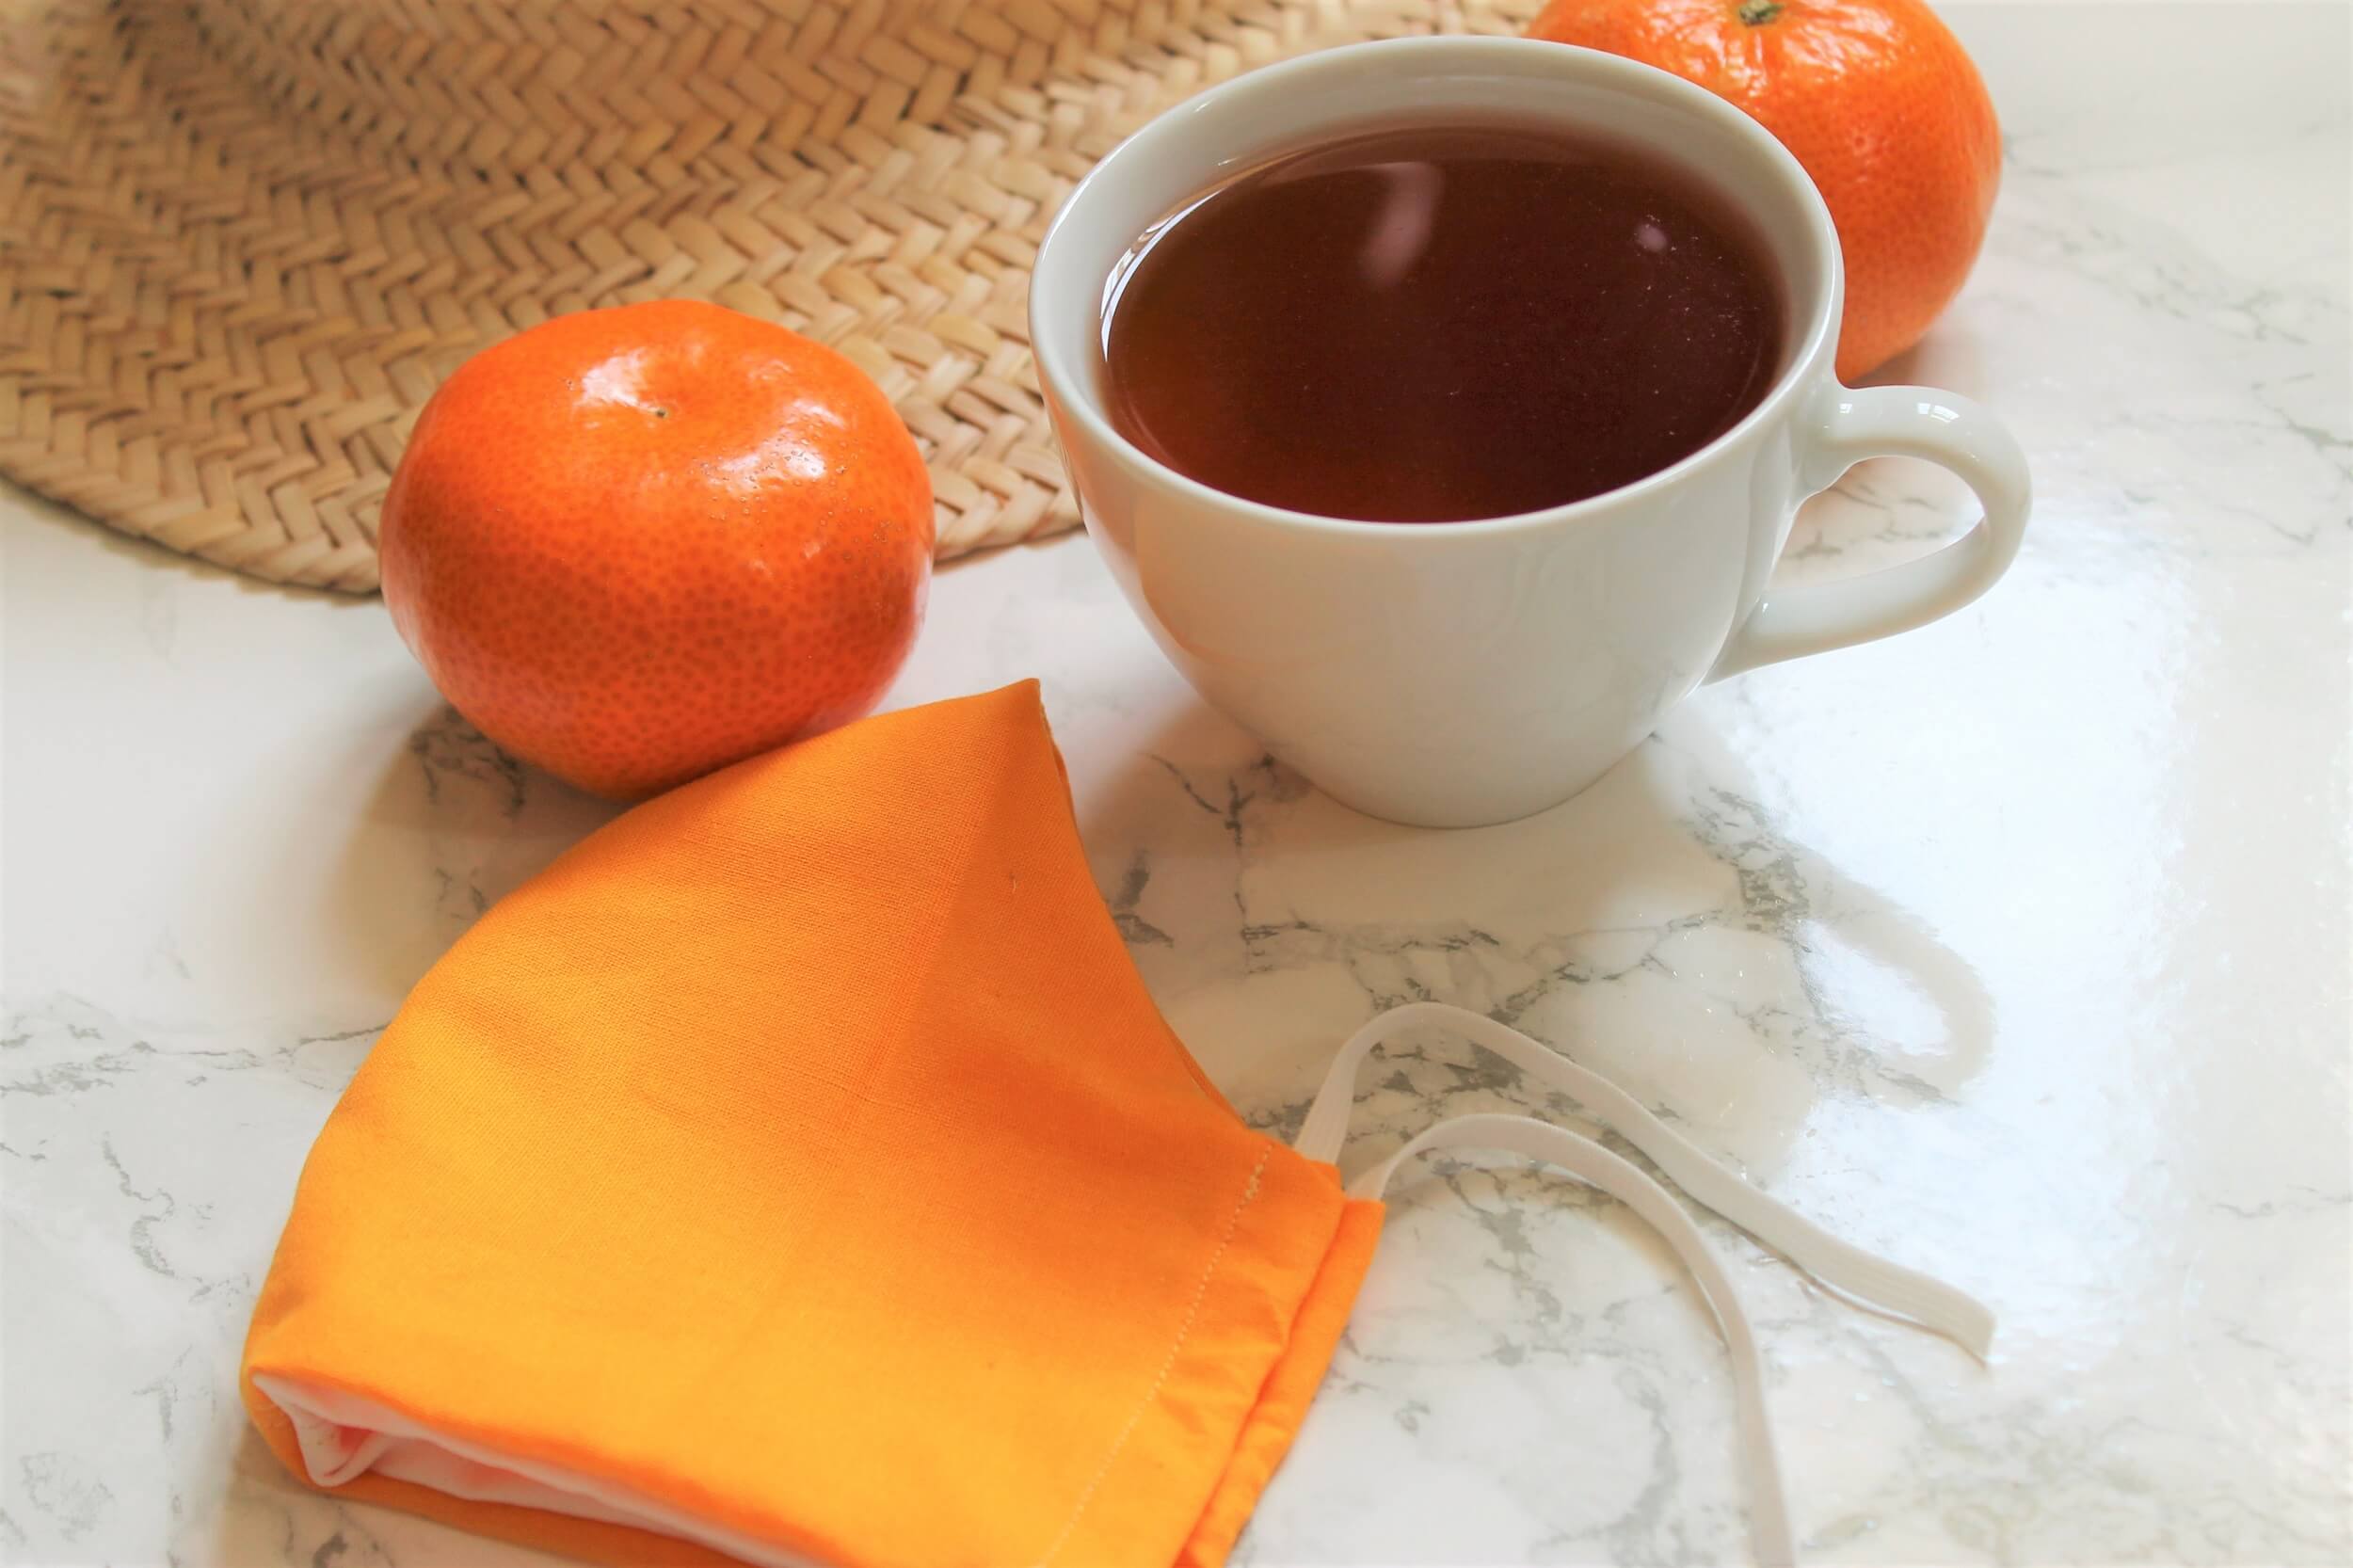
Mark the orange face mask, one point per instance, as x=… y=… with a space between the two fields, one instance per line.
x=797 y=1170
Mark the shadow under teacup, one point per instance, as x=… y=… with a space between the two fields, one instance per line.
x=1465 y=673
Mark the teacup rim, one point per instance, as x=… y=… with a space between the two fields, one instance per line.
x=1080 y=401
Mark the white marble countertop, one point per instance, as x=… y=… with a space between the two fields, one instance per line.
x=2016 y=947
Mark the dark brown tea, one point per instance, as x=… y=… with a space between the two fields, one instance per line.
x=1434 y=325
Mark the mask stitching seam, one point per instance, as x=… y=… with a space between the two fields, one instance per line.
x=1168 y=1365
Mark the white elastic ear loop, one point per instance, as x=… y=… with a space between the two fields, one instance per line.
x=1590 y=1163
x=1930 y=1303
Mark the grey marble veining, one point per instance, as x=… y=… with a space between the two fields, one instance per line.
x=2016 y=949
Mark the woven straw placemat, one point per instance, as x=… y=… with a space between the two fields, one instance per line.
x=241 y=240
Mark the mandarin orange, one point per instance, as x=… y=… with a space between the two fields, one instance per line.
x=1879 y=102
x=635 y=545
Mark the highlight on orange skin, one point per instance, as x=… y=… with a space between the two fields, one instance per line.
x=1879 y=102
x=633 y=545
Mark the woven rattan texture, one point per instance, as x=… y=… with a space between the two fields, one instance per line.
x=241 y=240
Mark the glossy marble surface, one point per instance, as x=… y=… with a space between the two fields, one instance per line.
x=2015 y=948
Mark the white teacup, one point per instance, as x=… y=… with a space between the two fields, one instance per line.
x=1457 y=674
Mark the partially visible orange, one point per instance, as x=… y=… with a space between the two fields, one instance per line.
x=1879 y=102
x=635 y=545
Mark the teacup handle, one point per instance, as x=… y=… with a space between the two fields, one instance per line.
x=1895 y=421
